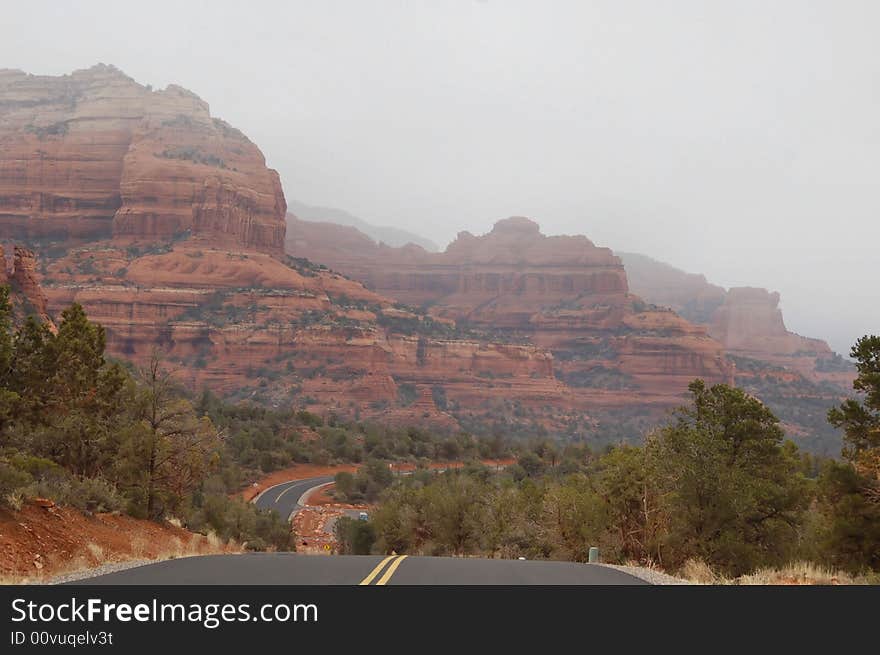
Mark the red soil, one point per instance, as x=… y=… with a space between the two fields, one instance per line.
x=40 y=541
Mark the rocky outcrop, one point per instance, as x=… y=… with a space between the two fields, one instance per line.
x=250 y=326
x=750 y=321
x=746 y=320
x=561 y=293
x=165 y=224
x=24 y=280
x=26 y=295
x=93 y=154
x=474 y=275
x=750 y=324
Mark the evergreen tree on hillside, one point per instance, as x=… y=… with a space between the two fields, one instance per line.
x=170 y=448
x=732 y=490
x=850 y=491
x=8 y=398
x=860 y=419
x=31 y=369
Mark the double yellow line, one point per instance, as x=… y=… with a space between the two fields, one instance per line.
x=395 y=562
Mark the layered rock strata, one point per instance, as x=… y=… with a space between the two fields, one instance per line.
x=94 y=154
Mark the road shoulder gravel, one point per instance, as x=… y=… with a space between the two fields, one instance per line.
x=649 y=575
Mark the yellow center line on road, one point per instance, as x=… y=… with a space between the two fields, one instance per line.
x=376 y=570
x=284 y=492
x=391 y=569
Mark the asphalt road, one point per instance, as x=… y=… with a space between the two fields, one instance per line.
x=284 y=497
x=294 y=569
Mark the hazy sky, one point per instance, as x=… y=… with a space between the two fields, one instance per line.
x=740 y=139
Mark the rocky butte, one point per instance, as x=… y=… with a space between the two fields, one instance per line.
x=560 y=293
x=94 y=155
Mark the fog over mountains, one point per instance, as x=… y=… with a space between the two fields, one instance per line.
x=738 y=140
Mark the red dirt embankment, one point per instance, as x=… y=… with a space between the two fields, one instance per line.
x=43 y=540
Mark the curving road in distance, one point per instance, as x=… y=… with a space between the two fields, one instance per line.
x=284 y=498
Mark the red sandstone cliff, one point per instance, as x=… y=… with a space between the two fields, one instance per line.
x=250 y=326
x=746 y=320
x=562 y=293
x=93 y=154
x=167 y=226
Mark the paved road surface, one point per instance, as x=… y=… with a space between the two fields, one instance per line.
x=285 y=497
x=294 y=569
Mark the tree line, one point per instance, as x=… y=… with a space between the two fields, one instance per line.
x=718 y=483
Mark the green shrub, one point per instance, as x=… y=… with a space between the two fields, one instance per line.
x=354 y=537
x=86 y=494
x=12 y=479
x=232 y=518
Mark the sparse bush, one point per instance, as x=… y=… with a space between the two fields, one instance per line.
x=12 y=480
x=407 y=394
x=353 y=536
x=87 y=494
x=233 y=518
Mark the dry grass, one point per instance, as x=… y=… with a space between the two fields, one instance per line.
x=797 y=573
x=214 y=541
x=139 y=546
x=698 y=572
x=96 y=551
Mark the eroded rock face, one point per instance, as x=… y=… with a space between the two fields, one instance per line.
x=26 y=296
x=93 y=154
x=750 y=319
x=746 y=320
x=513 y=265
x=562 y=294
x=750 y=324
x=247 y=325
x=24 y=279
